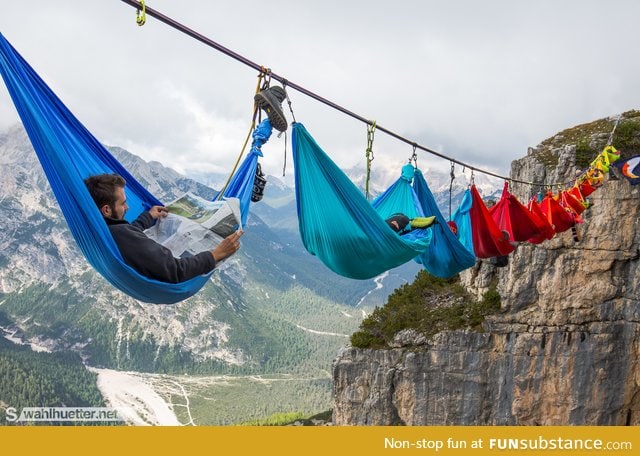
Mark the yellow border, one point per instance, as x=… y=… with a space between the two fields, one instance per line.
x=325 y=441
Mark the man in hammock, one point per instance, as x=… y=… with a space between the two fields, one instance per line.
x=503 y=260
x=401 y=224
x=453 y=226
x=145 y=255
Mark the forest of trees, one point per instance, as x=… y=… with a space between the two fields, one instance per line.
x=33 y=379
x=270 y=332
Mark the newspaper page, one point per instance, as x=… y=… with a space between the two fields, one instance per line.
x=195 y=224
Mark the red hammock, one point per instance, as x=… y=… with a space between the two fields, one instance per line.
x=558 y=217
x=546 y=230
x=488 y=239
x=571 y=205
x=586 y=188
x=513 y=217
x=570 y=199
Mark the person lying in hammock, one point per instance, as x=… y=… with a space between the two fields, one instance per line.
x=503 y=260
x=453 y=226
x=401 y=224
x=143 y=254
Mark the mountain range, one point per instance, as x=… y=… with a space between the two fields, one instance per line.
x=271 y=309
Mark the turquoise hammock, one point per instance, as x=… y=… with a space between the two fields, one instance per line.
x=447 y=254
x=337 y=223
x=462 y=218
x=69 y=153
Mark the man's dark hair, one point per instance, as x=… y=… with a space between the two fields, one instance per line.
x=401 y=221
x=102 y=188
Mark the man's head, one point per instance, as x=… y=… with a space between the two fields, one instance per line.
x=398 y=222
x=107 y=190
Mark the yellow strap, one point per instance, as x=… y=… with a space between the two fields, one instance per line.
x=141 y=15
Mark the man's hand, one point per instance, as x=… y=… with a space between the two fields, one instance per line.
x=227 y=247
x=158 y=212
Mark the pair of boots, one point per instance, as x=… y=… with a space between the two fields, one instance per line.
x=270 y=100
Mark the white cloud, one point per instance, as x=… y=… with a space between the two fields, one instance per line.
x=480 y=81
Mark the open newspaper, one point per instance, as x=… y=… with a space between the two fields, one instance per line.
x=195 y=224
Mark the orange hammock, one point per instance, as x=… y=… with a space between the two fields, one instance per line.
x=488 y=239
x=559 y=218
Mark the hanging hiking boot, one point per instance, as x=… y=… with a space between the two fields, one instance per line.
x=270 y=100
x=259 y=183
x=576 y=235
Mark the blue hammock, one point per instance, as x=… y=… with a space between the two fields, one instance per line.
x=69 y=153
x=462 y=217
x=241 y=184
x=400 y=197
x=337 y=223
x=446 y=255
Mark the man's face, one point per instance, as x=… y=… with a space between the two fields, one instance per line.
x=118 y=208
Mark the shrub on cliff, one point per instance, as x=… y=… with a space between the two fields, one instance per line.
x=429 y=305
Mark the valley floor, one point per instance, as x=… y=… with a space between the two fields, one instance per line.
x=144 y=399
x=135 y=398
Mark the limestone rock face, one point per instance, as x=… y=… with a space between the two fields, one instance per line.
x=565 y=348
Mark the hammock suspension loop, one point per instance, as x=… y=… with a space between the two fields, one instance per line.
x=293 y=117
x=453 y=176
x=284 y=86
x=264 y=77
x=615 y=125
x=141 y=14
x=414 y=156
x=264 y=81
x=371 y=129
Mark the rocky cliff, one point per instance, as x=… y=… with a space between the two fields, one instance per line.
x=565 y=347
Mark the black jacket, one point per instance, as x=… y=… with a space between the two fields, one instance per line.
x=152 y=259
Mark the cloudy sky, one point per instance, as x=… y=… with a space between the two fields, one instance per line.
x=479 y=81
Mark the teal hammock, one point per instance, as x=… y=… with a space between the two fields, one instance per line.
x=462 y=218
x=69 y=153
x=448 y=254
x=337 y=223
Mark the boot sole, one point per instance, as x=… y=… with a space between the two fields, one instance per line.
x=276 y=116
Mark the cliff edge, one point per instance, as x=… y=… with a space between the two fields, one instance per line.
x=564 y=348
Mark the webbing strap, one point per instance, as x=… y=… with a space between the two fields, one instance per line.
x=141 y=14
x=371 y=129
